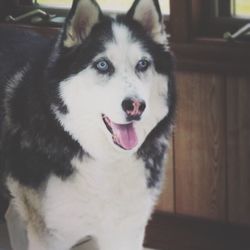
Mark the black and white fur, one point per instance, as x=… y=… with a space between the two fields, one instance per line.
x=67 y=175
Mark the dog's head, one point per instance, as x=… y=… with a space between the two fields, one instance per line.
x=113 y=75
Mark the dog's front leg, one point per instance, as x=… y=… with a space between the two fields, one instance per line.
x=45 y=241
x=121 y=240
x=35 y=241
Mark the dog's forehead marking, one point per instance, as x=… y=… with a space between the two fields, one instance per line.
x=122 y=35
x=123 y=46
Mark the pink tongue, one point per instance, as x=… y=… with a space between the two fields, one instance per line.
x=124 y=135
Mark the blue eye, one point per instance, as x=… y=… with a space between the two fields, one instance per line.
x=103 y=66
x=142 y=65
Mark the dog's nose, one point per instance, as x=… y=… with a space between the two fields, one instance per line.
x=133 y=108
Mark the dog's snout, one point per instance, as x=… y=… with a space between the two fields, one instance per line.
x=133 y=108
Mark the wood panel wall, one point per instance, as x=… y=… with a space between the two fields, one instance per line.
x=209 y=173
x=238 y=148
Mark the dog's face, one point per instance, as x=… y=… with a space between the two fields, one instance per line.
x=116 y=87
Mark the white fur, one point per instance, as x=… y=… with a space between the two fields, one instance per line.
x=101 y=203
x=96 y=201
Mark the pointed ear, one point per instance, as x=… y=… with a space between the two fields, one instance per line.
x=84 y=14
x=148 y=14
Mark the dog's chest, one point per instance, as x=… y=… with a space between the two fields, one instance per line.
x=99 y=194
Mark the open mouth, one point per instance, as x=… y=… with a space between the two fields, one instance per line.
x=123 y=135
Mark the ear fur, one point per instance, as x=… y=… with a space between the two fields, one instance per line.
x=84 y=14
x=148 y=14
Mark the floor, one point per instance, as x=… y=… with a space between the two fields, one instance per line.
x=173 y=232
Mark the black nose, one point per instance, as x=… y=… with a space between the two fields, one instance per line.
x=133 y=108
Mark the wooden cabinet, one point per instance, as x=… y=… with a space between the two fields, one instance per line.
x=238 y=148
x=200 y=145
x=209 y=173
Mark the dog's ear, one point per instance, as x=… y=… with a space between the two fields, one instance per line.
x=148 y=14
x=84 y=14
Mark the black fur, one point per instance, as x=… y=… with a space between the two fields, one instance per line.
x=33 y=144
x=152 y=150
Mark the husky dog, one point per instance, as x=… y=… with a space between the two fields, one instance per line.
x=85 y=121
